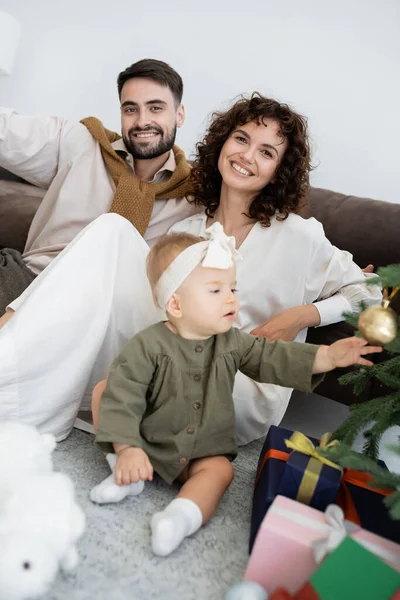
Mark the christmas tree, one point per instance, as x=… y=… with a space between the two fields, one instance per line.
x=382 y=412
x=378 y=325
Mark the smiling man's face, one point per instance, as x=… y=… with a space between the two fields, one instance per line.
x=149 y=118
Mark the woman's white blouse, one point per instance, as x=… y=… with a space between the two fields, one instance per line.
x=291 y=263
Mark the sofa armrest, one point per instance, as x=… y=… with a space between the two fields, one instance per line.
x=368 y=229
x=18 y=205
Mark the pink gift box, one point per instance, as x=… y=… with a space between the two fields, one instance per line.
x=293 y=534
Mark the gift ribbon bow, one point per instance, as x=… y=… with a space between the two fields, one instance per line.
x=338 y=530
x=300 y=443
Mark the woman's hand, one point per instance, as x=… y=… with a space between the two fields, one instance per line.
x=343 y=353
x=132 y=465
x=368 y=269
x=288 y=324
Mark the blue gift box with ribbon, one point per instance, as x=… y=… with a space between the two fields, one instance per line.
x=308 y=477
x=292 y=469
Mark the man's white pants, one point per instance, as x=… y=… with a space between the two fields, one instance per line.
x=71 y=323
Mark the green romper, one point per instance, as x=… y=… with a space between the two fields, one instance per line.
x=172 y=396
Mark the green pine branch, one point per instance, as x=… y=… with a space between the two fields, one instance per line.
x=394 y=347
x=379 y=412
x=374 y=280
x=358 y=378
x=352 y=318
x=388 y=276
x=388 y=372
x=392 y=503
x=371 y=444
x=373 y=436
x=343 y=455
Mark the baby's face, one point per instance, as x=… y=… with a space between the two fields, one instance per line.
x=208 y=301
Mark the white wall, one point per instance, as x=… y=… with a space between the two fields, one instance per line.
x=338 y=62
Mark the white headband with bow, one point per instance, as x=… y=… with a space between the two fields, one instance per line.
x=216 y=252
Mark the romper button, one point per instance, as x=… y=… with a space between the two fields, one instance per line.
x=198 y=348
x=196 y=405
x=190 y=430
x=182 y=460
x=197 y=377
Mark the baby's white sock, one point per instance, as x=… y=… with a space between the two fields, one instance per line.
x=170 y=527
x=109 y=491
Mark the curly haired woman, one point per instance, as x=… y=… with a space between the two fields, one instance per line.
x=251 y=174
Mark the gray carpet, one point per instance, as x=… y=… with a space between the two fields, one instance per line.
x=116 y=558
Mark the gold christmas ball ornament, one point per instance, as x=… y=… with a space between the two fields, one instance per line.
x=378 y=325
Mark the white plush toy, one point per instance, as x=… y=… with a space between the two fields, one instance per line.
x=40 y=521
x=23 y=451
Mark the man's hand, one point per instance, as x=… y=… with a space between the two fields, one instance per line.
x=132 y=465
x=343 y=353
x=288 y=324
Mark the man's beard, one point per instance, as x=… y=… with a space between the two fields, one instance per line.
x=164 y=145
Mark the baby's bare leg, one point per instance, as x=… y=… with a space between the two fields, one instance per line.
x=96 y=397
x=108 y=491
x=6 y=317
x=207 y=479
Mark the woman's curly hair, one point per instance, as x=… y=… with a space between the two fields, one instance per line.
x=286 y=194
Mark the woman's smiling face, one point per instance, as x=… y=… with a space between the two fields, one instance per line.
x=251 y=156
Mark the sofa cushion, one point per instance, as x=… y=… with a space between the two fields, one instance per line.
x=369 y=229
x=18 y=204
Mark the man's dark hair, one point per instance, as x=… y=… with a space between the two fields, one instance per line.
x=158 y=71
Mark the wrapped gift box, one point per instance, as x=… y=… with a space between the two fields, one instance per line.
x=349 y=573
x=364 y=505
x=291 y=474
x=361 y=503
x=309 y=478
x=292 y=535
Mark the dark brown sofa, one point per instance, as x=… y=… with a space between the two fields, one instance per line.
x=369 y=229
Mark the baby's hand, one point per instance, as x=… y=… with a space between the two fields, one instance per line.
x=350 y=351
x=132 y=465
